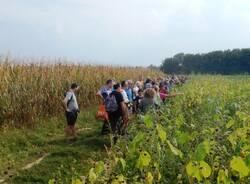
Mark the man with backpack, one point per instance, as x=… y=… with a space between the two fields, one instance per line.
x=117 y=111
x=71 y=111
x=104 y=92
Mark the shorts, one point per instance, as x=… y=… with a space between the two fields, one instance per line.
x=71 y=117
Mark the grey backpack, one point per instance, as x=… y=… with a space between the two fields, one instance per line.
x=111 y=103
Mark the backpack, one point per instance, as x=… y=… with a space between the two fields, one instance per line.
x=71 y=98
x=111 y=103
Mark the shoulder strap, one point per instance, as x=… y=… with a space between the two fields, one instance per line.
x=71 y=98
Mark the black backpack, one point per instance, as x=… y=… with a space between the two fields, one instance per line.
x=71 y=98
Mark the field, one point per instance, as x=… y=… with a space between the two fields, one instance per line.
x=21 y=147
x=32 y=123
x=30 y=92
x=200 y=137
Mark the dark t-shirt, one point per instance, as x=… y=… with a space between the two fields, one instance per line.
x=138 y=101
x=119 y=99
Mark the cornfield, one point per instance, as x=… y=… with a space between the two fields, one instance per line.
x=31 y=91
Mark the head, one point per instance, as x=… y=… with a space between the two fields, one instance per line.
x=124 y=84
x=156 y=88
x=162 y=86
x=140 y=92
x=130 y=83
x=110 y=83
x=148 y=80
x=74 y=87
x=138 y=84
x=149 y=93
x=117 y=87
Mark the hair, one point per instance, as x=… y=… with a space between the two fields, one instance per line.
x=156 y=88
x=148 y=81
x=130 y=81
x=140 y=91
x=138 y=83
x=73 y=86
x=149 y=93
x=116 y=86
x=123 y=83
x=109 y=81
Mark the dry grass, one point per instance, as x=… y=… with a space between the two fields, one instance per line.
x=32 y=91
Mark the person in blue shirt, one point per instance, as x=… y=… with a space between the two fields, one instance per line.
x=129 y=91
x=124 y=85
x=106 y=90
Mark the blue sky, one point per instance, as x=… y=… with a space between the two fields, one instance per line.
x=125 y=32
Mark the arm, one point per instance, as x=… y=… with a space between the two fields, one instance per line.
x=99 y=94
x=65 y=103
x=174 y=95
x=66 y=100
x=124 y=112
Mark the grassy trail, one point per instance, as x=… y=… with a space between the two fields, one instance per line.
x=21 y=147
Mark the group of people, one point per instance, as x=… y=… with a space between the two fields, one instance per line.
x=121 y=100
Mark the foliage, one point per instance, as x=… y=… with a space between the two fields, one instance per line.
x=234 y=61
x=201 y=137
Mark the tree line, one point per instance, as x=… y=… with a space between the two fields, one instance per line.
x=236 y=61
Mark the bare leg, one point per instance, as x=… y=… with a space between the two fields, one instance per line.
x=73 y=131
x=70 y=132
x=67 y=131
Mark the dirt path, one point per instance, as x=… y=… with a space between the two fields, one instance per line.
x=28 y=166
x=58 y=155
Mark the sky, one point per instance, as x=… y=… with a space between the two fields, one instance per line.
x=123 y=32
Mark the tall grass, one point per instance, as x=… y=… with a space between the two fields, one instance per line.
x=32 y=91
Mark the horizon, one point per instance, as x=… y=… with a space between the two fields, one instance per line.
x=66 y=61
